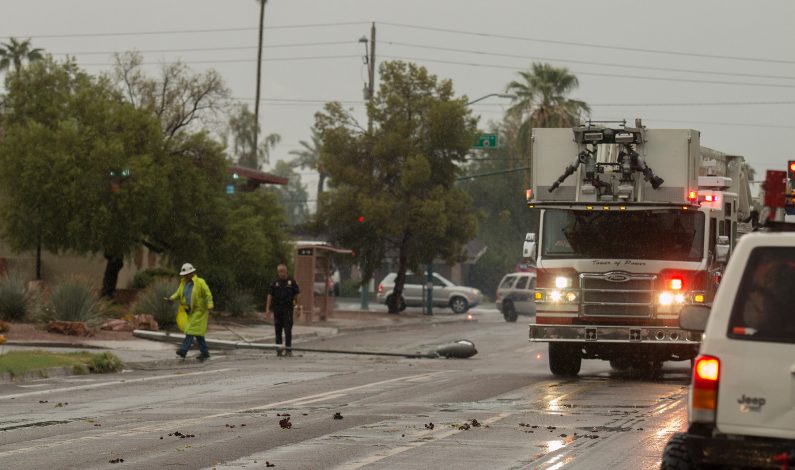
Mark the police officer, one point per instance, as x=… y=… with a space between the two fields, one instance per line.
x=282 y=297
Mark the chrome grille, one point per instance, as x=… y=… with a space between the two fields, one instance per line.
x=626 y=295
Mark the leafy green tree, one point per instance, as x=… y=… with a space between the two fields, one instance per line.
x=542 y=100
x=309 y=157
x=393 y=192
x=15 y=52
x=292 y=197
x=242 y=130
x=79 y=167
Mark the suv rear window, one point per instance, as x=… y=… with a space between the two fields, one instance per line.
x=764 y=309
x=507 y=282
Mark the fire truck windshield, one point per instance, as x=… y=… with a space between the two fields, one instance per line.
x=659 y=234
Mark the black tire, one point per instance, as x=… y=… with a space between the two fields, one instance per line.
x=676 y=455
x=620 y=365
x=565 y=359
x=401 y=305
x=459 y=305
x=509 y=311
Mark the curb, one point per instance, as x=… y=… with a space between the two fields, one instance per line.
x=51 y=344
x=38 y=374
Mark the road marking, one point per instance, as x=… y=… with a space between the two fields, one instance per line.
x=107 y=384
x=316 y=400
x=434 y=436
x=184 y=423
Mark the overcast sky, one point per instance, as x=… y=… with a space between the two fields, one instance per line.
x=729 y=66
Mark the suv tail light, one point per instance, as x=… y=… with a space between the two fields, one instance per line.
x=706 y=377
x=380 y=288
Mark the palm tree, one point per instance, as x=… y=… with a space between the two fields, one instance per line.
x=14 y=52
x=542 y=99
x=309 y=157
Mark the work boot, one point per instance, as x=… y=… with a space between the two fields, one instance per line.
x=181 y=354
x=202 y=357
x=288 y=353
x=280 y=352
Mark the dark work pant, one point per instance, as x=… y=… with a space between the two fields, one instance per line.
x=283 y=320
x=205 y=351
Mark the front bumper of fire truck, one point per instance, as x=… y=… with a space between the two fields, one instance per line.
x=543 y=333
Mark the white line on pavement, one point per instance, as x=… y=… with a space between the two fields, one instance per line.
x=107 y=384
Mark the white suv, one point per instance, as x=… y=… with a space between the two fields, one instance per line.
x=741 y=405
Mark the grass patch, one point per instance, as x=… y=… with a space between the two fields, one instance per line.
x=19 y=363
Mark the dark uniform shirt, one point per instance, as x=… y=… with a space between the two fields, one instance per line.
x=283 y=293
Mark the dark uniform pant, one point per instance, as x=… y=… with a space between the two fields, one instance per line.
x=283 y=320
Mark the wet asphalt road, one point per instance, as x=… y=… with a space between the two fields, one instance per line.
x=233 y=405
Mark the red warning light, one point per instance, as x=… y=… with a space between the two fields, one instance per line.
x=361 y=219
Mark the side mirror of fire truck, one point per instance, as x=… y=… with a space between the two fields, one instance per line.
x=722 y=249
x=529 y=248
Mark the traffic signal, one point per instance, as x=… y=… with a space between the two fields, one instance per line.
x=790 y=192
x=361 y=219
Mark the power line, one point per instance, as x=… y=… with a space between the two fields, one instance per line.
x=591 y=45
x=585 y=62
x=599 y=74
x=184 y=31
x=232 y=61
x=724 y=103
x=209 y=49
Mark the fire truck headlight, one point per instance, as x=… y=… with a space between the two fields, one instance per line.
x=571 y=296
x=666 y=298
x=562 y=282
x=556 y=296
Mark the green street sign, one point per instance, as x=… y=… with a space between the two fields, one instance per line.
x=486 y=141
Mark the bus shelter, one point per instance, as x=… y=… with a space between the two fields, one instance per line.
x=313 y=269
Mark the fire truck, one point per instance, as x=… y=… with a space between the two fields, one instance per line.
x=633 y=225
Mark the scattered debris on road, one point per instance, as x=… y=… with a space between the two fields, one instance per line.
x=338 y=415
x=120 y=460
x=285 y=423
x=475 y=423
x=429 y=426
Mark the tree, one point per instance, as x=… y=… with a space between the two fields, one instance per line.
x=542 y=100
x=243 y=129
x=179 y=98
x=309 y=157
x=292 y=197
x=14 y=53
x=79 y=167
x=498 y=192
x=393 y=192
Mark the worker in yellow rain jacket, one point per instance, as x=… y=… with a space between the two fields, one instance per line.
x=195 y=297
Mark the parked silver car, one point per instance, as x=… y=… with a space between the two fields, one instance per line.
x=515 y=295
x=445 y=292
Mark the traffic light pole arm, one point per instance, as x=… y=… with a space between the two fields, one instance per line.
x=501 y=95
x=493 y=173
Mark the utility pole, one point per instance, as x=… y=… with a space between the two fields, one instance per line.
x=370 y=57
x=259 y=75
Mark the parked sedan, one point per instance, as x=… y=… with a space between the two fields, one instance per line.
x=445 y=293
x=515 y=295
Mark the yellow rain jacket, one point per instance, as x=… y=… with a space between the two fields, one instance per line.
x=200 y=305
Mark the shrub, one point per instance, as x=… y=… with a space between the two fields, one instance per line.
x=104 y=363
x=14 y=298
x=240 y=303
x=145 y=278
x=75 y=300
x=350 y=288
x=151 y=302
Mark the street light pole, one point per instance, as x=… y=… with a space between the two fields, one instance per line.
x=259 y=75
x=370 y=57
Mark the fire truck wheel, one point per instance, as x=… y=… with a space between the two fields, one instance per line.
x=565 y=359
x=620 y=365
x=509 y=311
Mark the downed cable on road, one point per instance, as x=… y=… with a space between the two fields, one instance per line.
x=459 y=349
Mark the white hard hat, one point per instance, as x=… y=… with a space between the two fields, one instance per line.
x=187 y=268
